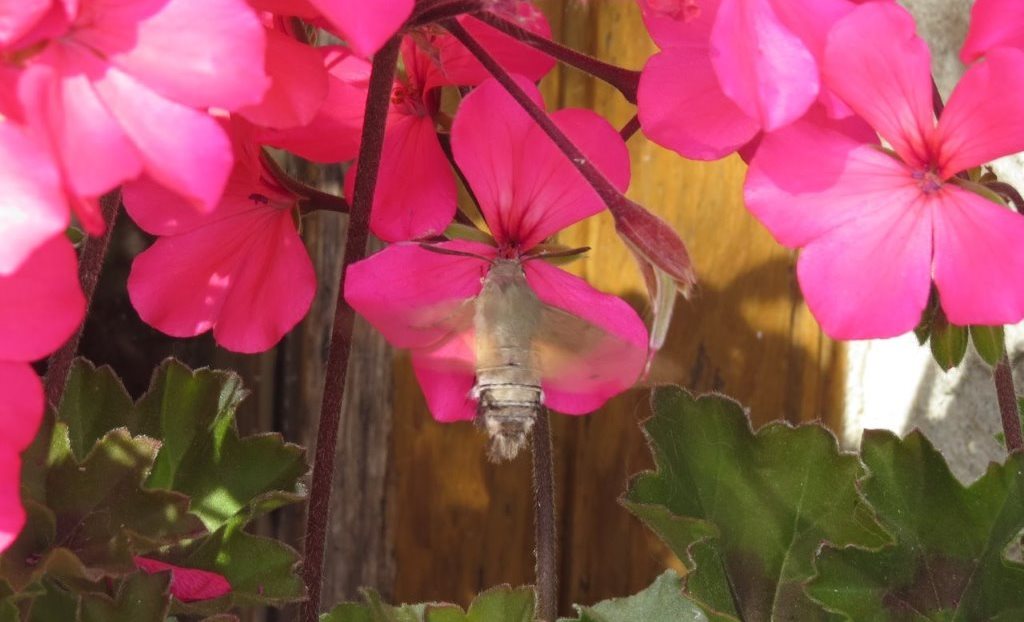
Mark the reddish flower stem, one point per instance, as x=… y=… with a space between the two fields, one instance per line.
x=1008 y=409
x=545 y=520
x=1008 y=192
x=631 y=127
x=624 y=80
x=378 y=100
x=90 y=264
x=311 y=199
x=431 y=11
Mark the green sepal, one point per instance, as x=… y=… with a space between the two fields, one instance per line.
x=989 y=343
x=948 y=342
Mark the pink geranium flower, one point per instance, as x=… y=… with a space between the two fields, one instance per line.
x=877 y=228
x=187 y=584
x=527 y=190
x=994 y=23
x=730 y=69
x=240 y=270
x=41 y=304
x=416 y=189
x=117 y=88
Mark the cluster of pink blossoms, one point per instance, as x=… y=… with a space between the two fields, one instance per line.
x=804 y=89
x=172 y=101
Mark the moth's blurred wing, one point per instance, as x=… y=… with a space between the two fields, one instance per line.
x=583 y=358
x=438 y=324
x=417 y=298
x=589 y=345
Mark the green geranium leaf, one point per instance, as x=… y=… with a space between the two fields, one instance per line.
x=663 y=601
x=140 y=598
x=95 y=515
x=193 y=412
x=746 y=512
x=948 y=561
x=99 y=503
x=375 y=611
x=54 y=603
x=499 y=604
x=260 y=570
x=94 y=403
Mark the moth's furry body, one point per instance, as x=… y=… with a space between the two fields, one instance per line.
x=506 y=319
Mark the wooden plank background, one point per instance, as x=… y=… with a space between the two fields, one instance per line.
x=418 y=512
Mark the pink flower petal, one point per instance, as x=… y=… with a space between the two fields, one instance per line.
x=21 y=410
x=83 y=127
x=799 y=198
x=193 y=159
x=875 y=62
x=761 y=65
x=460 y=68
x=682 y=106
x=158 y=210
x=271 y=292
x=32 y=207
x=41 y=303
x=527 y=188
x=298 y=8
x=870 y=277
x=12 y=514
x=982 y=120
x=447 y=378
x=199 y=54
x=418 y=298
x=244 y=273
x=187 y=584
x=18 y=17
x=365 y=25
x=416 y=195
x=672 y=23
x=994 y=23
x=340 y=116
x=603 y=352
x=298 y=84
x=979 y=259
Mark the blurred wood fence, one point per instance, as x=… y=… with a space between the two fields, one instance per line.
x=418 y=512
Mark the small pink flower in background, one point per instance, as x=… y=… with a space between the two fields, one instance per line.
x=298 y=79
x=187 y=584
x=730 y=69
x=994 y=23
x=527 y=191
x=118 y=88
x=240 y=269
x=875 y=228
x=416 y=189
x=41 y=304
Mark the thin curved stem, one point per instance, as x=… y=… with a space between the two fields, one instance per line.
x=624 y=80
x=90 y=265
x=631 y=127
x=545 y=520
x=1008 y=192
x=604 y=188
x=1009 y=412
x=378 y=99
